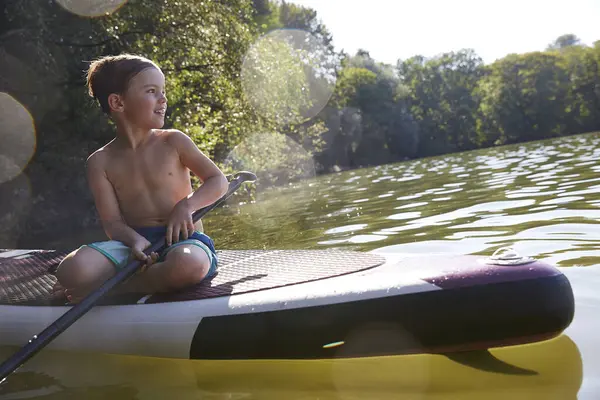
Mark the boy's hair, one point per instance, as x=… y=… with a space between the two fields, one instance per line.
x=111 y=74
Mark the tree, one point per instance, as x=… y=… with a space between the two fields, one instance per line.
x=522 y=98
x=441 y=99
x=368 y=120
x=582 y=65
x=564 y=41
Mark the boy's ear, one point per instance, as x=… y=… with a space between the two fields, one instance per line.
x=115 y=103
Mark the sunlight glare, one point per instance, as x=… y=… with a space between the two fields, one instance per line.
x=17 y=135
x=91 y=8
x=275 y=158
x=288 y=76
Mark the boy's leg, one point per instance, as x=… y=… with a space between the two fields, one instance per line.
x=80 y=272
x=183 y=266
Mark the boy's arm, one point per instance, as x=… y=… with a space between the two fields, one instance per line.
x=107 y=204
x=214 y=183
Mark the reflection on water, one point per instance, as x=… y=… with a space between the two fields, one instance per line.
x=539 y=197
x=549 y=370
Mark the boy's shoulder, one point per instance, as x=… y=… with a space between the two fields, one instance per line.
x=169 y=133
x=100 y=155
x=175 y=137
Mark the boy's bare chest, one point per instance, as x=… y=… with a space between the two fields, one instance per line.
x=155 y=168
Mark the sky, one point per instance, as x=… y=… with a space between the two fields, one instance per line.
x=398 y=29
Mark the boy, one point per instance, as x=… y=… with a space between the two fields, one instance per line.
x=141 y=186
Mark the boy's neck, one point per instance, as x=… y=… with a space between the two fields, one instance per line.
x=131 y=137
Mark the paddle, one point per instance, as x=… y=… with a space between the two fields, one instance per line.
x=38 y=342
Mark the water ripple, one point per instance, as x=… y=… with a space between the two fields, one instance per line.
x=540 y=197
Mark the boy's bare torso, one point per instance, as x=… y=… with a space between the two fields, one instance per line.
x=148 y=181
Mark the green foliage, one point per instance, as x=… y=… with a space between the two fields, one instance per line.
x=276 y=77
x=266 y=15
x=368 y=118
x=442 y=100
x=522 y=98
x=350 y=81
x=582 y=65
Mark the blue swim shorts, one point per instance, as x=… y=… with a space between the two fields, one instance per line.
x=120 y=254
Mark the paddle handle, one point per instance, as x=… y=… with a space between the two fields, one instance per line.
x=37 y=342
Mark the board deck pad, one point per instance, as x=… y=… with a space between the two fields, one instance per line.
x=26 y=277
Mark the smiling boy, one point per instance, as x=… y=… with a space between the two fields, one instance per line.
x=142 y=190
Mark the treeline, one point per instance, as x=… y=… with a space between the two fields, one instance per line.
x=453 y=102
x=377 y=113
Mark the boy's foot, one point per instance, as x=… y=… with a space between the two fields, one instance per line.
x=73 y=297
x=58 y=292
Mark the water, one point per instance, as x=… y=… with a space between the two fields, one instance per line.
x=541 y=198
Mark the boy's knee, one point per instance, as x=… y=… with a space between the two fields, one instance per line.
x=82 y=268
x=189 y=267
x=198 y=272
x=191 y=274
x=68 y=270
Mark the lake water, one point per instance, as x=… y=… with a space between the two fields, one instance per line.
x=541 y=198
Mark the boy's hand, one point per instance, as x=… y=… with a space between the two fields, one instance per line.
x=138 y=248
x=180 y=223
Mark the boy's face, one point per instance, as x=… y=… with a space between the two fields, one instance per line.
x=145 y=100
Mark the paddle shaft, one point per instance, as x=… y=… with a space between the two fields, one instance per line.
x=39 y=341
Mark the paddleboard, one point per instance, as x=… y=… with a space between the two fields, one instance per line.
x=303 y=304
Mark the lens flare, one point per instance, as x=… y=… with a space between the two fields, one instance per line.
x=91 y=8
x=275 y=158
x=279 y=163
x=17 y=135
x=288 y=76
